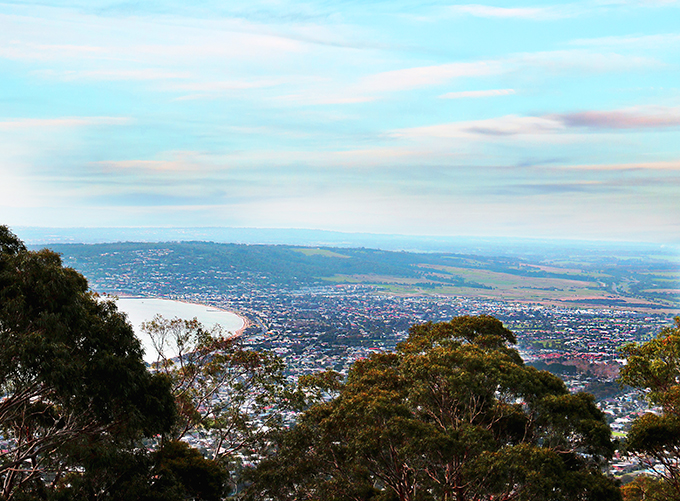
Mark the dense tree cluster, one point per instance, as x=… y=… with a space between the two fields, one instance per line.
x=453 y=414
x=76 y=398
x=72 y=379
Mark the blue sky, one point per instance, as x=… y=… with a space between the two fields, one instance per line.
x=548 y=120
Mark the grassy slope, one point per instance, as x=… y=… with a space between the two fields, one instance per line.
x=638 y=282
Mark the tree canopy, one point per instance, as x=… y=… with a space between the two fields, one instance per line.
x=452 y=414
x=72 y=378
x=232 y=395
x=654 y=438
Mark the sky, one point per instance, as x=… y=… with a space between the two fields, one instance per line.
x=534 y=120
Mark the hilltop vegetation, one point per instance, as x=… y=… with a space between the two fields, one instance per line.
x=81 y=415
x=452 y=414
x=75 y=394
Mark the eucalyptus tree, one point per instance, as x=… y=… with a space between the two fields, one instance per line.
x=231 y=396
x=452 y=414
x=654 y=438
x=72 y=378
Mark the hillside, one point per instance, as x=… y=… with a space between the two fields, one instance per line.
x=635 y=281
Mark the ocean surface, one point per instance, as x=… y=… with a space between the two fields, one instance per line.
x=141 y=310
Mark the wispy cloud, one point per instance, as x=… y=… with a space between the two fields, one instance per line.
x=423 y=76
x=51 y=35
x=672 y=166
x=554 y=62
x=658 y=41
x=513 y=125
x=322 y=98
x=532 y=13
x=146 y=165
x=31 y=51
x=213 y=89
x=11 y=124
x=509 y=125
x=569 y=62
x=112 y=75
x=633 y=118
x=547 y=188
x=641 y=3
x=173 y=162
x=477 y=93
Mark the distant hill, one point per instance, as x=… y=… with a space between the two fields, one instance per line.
x=485 y=246
x=592 y=279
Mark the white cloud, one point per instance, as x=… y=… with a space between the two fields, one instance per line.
x=640 y=3
x=424 y=76
x=659 y=41
x=550 y=124
x=509 y=125
x=673 y=166
x=52 y=35
x=580 y=60
x=642 y=117
x=532 y=13
x=146 y=165
x=111 y=75
x=316 y=97
x=555 y=62
x=477 y=93
x=13 y=124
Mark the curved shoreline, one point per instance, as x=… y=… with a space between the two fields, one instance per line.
x=238 y=333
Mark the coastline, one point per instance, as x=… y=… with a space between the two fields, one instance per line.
x=238 y=333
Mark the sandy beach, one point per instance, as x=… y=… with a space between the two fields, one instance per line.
x=143 y=309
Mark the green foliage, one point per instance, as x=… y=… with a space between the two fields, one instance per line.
x=654 y=367
x=176 y=472
x=181 y=469
x=233 y=395
x=71 y=373
x=453 y=414
x=646 y=488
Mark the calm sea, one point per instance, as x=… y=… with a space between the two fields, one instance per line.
x=141 y=310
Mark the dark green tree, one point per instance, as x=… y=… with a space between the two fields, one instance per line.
x=453 y=414
x=654 y=368
x=175 y=472
x=182 y=469
x=72 y=378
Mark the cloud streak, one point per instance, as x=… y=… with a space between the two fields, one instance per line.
x=512 y=125
x=558 y=62
x=477 y=93
x=27 y=123
x=424 y=76
x=112 y=75
x=658 y=41
x=528 y=13
x=635 y=118
x=669 y=166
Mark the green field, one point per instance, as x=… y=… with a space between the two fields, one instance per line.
x=584 y=278
x=566 y=286
x=321 y=252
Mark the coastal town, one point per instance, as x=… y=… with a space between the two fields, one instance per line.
x=329 y=326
